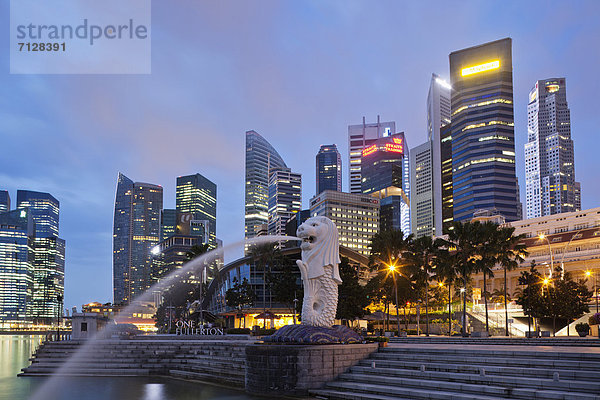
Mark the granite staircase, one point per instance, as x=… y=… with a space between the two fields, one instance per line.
x=214 y=361
x=469 y=372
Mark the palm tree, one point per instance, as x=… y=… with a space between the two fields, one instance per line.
x=511 y=253
x=264 y=256
x=419 y=256
x=386 y=249
x=462 y=242
x=487 y=251
x=445 y=271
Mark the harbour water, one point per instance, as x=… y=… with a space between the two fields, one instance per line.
x=15 y=351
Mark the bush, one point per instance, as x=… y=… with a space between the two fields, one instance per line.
x=594 y=319
x=238 y=331
x=376 y=339
x=582 y=327
x=264 y=332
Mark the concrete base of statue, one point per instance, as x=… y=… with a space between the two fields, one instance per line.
x=307 y=334
x=294 y=369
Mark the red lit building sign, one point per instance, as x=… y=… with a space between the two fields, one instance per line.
x=369 y=150
x=395 y=146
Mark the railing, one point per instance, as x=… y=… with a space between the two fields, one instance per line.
x=497 y=317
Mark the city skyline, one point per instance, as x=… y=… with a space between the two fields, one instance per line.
x=293 y=101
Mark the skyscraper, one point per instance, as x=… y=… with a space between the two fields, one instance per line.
x=446 y=158
x=355 y=215
x=285 y=198
x=168 y=223
x=360 y=137
x=4 y=201
x=483 y=142
x=198 y=196
x=549 y=156
x=329 y=169
x=44 y=209
x=17 y=233
x=49 y=255
x=136 y=232
x=260 y=158
x=385 y=176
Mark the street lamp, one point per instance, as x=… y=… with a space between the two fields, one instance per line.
x=392 y=270
x=544 y=237
x=588 y=274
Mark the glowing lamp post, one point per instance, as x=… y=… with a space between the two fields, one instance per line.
x=392 y=270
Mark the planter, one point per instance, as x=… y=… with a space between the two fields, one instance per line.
x=383 y=344
x=582 y=334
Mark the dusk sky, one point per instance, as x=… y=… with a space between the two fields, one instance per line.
x=296 y=72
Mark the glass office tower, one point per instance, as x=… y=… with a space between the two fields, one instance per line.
x=136 y=231
x=483 y=140
x=329 y=169
x=285 y=198
x=549 y=155
x=49 y=255
x=198 y=196
x=261 y=157
x=4 y=201
x=17 y=246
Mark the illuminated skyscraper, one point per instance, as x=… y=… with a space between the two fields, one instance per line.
x=260 y=158
x=17 y=233
x=360 y=137
x=329 y=169
x=483 y=142
x=198 y=196
x=4 y=201
x=136 y=232
x=426 y=164
x=168 y=223
x=355 y=215
x=49 y=255
x=549 y=156
x=385 y=176
x=285 y=198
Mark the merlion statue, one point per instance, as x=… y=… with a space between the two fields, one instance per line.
x=319 y=270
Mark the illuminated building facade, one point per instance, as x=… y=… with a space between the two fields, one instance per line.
x=4 y=201
x=198 y=196
x=426 y=164
x=260 y=158
x=570 y=240
x=17 y=256
x=168 y=223
x=446 y=158
x=329 y=169
x=136 y=231
x=483 y=142
x=355 y=215
x=385 y=176
x=171 y=253
x=360 y=137
x=49 y=255
x=285 y=198
x=549 y=156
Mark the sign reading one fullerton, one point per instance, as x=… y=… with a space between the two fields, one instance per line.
x=187 y=328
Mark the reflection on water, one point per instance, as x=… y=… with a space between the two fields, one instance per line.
x=15 y=352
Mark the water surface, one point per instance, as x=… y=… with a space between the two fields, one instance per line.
x=15 y=351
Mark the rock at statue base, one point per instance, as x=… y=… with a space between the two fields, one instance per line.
x=307 y=334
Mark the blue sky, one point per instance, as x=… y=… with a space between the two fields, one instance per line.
x=296 y=72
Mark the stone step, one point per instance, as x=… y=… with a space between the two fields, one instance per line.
x=348 y=395
x=448 y=390
x=491 y=360
x=497 y=380
x=85 y=372
x=541 y=372
x=199 y=376
x=590 y=356
x=501 y=341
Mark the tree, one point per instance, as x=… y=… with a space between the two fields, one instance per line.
x=462 y=241
x=283 y=282
x=387 y=246
x=240 y=295
x=486 y=253
x=446 y=274
x=572 y=298
x=419 y=256
x=352 y=295
x=511 y=253
x=194 y=252
x=264 y=256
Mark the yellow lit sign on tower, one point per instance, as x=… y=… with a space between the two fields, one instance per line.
x=480 y=68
